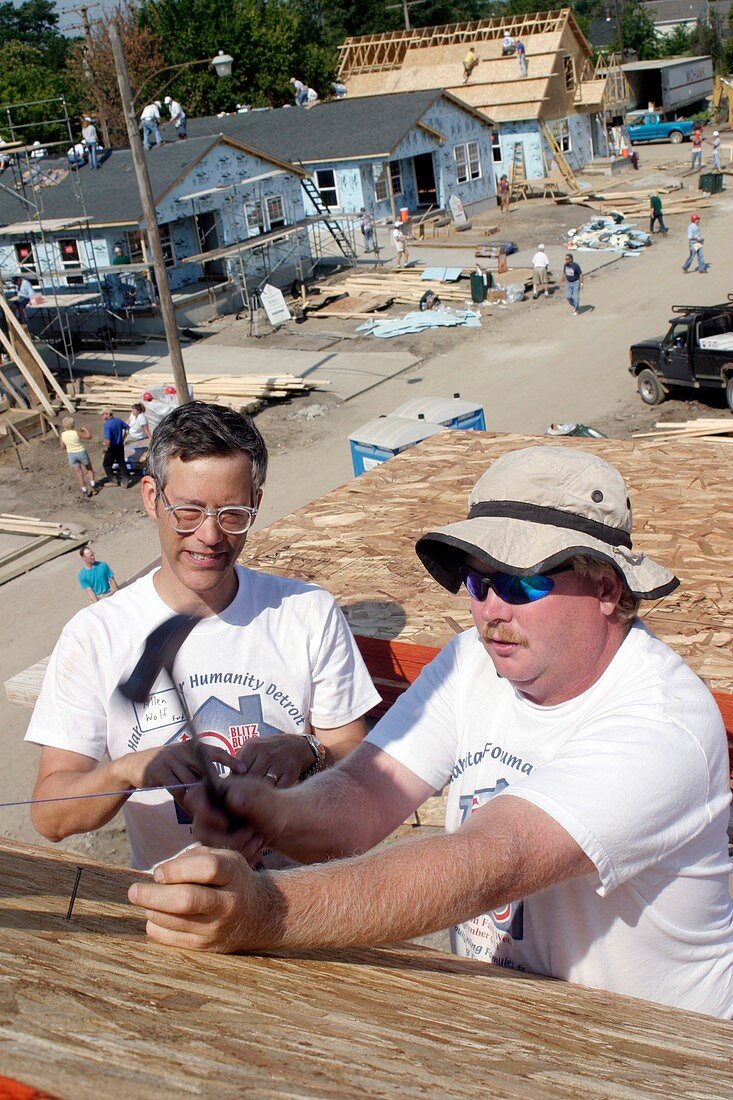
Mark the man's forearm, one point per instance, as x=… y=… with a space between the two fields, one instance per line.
x=56 y=820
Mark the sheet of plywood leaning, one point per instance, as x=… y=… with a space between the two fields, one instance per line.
x=90 y=1010
x=358 y=541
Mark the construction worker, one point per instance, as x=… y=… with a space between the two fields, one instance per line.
x=655 y=213
x=507 y=44
x=521 y=58
x=694 y=241
x=150 y=122
x=178 y=116
x=400 y=243
x=716 y=151
x=470 y=62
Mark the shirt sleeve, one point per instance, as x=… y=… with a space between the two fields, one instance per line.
x=70 y=712
x=84 y=579
x=421 y=729
x=342 y=689
x=629 y=796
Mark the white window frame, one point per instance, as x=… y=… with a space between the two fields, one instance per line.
x=30 y=263
x=327 y=188
x=277 y=220
x=467 y=158
x=497 y=154
x=381 y=191
x=561 y=131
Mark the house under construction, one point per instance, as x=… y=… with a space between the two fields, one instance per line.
x=561 y=111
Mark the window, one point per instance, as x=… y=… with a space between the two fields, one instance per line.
x=166 y=241
x=69 y=250
x=24 y=256
x=381 y=190
x=326 y=183
x=133 y=246
x=276 y=212
x=255 y=217
x=468 y=162
x=495 y=146
x=561 y=131
x=569 y=67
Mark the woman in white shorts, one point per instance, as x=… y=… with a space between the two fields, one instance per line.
x=72 y=441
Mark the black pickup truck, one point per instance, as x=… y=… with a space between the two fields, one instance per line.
x=697 y=353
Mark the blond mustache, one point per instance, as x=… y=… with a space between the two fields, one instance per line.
x=489 y=635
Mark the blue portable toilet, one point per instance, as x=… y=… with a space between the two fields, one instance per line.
x=451 y=412
x=385 y=437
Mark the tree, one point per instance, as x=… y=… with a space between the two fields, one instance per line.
x=637 y=31
x=91 y=65
x=25 y=78
x=708 y=37
x=676 y=43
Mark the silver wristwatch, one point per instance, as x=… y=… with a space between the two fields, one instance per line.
x=319 y=753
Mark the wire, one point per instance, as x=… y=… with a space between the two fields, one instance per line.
x=100 y=794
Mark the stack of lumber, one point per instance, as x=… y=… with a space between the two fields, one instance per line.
x=635 y=204
x=242 y=392
x=406 y=287
x=350 y=306
x=706 y=429
x=26 y=542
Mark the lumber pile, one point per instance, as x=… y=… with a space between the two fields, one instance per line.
x=26 y=542
x=405 y=286
x=242 y=392
x=706 y=429
x=635 y=204
x=350 y=306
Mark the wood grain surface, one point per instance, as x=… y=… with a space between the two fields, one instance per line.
x=89 y=1009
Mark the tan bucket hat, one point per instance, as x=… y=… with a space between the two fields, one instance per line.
x=535 y=508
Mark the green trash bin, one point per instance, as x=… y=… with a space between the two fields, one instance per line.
x=480 y=283
x=712 y=182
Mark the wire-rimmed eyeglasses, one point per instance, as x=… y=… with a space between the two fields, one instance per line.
x=232 y=519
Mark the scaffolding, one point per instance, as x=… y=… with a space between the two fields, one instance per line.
x=77 y=304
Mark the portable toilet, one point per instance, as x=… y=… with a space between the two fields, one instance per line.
x=451 y=412
x=385 y=437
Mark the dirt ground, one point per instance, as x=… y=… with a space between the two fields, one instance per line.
x=528 y=365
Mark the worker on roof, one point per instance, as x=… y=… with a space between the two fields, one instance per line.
x=507 y=44
x=150 y=122
x=178 y=117
x=470 y=62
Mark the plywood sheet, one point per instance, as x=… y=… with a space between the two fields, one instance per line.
x=90 y=1009
x=358 y=541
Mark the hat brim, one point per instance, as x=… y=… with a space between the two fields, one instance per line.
x=525 y=548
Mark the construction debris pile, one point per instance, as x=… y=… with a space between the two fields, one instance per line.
x=609 y=233
x=386 y=327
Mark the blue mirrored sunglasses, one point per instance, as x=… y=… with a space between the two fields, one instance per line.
x=511 y=589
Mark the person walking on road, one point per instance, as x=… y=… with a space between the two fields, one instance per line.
x=696 y=157
x=96 y=578
x=150 y=120
x=400 y=244
x=716 y=151
x=366 y=224
x=72 y=440
x=655 y=213
x=540 y=264
x=504 y=194
x=572 y=280
x=694 y=241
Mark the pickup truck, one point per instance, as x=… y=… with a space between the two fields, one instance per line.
x=696 y=352
x=648 y=126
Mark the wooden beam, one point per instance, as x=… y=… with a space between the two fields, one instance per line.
x=22 y=335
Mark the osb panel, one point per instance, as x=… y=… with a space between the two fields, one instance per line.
x=91 y=1010
x=358 y=541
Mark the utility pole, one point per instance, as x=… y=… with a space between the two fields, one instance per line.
x=405 y=5
x=148 y=204
x=83 y=10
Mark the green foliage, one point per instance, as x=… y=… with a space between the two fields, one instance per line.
x=637 y=30
x=34 y=21
x=709 y=37
x=675 y=44
x=26 y=78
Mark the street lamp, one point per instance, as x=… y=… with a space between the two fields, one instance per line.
x=223 y=65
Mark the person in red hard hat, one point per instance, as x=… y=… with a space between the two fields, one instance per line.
x=695 y=241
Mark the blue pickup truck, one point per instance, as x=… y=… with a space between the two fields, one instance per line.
x=648 y=126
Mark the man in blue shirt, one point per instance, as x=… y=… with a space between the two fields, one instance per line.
x=115 y=431
x=694 y=244
x=96 y=578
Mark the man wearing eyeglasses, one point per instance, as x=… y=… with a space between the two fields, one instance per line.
x=586 y=767
x=270 y=674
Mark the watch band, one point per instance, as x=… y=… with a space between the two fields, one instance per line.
x=319 y=753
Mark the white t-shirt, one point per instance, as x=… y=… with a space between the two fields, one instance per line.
x=150 y=113
x=636 y=771
x=280 y=658
x=138 y=423
x=399 y=239
x=540 y=259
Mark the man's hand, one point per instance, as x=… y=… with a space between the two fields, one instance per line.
x=281 y=757
x=256 y=816
x=206 y=900
x=166 y=766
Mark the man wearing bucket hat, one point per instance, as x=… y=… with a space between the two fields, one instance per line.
x=586 y=769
